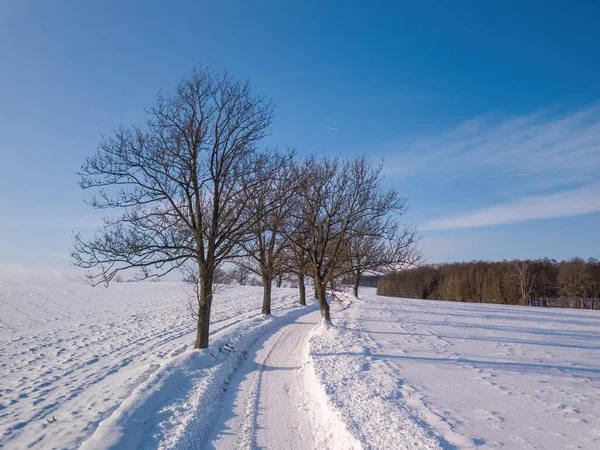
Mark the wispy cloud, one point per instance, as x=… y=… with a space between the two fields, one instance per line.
x=330 y=128
x=540 y=165
x=575 y=202
x=544 y=149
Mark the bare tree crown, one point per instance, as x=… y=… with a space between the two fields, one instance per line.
x=179 y=180
x=193 y=190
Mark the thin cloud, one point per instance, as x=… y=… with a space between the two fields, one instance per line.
x=330 y=128
x=576 y=202
x=542 y=150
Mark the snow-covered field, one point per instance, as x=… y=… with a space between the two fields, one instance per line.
x=114 y=368
x=427 y=374
x=76 y=353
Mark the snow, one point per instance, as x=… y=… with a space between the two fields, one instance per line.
x=359 y=388
x=426 y=374
x=112 y=368
x=80 y=354
x=11 y=274
x=275 y=401
x=176 y=407
x=263 y=405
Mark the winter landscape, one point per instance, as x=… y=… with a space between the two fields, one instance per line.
x=299 y=225
x=113 y=368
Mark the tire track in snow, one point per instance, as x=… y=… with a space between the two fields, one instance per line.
x=264 y=406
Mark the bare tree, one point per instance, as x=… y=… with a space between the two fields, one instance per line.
x=299 y=263
x=180 y=184
x=337 y=200
x=574 y=281
x=222 y=276
x=191 y=276
x=279 y=277
x=269 y=205
x=382 y=246
x=525 y=279
x=241 y=273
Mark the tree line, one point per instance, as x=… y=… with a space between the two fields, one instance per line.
x=543 y=282
x=194 y=191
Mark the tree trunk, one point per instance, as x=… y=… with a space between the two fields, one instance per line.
x=302 y=289
x=279 y=280
x=323 y=305
x=356 y=282
x=206 y=295
x=266 y=307
x=316 y=287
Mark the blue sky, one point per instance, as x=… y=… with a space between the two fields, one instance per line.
x=487 y=114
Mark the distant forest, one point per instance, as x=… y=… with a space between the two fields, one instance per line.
x=543 y=282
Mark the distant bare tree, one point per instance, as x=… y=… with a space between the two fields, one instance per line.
x=575 y=281
x=241 y=273
x=525 y=278
x=222 y=276
x=297 y=259
x=336 y=201
x=180 y=182
x=300 y=265
x=279 y=277
x=383 y=246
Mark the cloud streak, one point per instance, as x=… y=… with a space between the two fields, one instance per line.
x=543 y=165
x=543 y=149
x=576 y=202
x=330 y=128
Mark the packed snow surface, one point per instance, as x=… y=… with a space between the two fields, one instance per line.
x=275 y=402
x=426 y=374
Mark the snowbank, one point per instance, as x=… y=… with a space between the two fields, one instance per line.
x=327 y=423
x=360 y=392
x=175 y=408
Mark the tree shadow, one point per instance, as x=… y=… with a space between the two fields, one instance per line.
x=584 y=372
x=579 y=335
x=502 y=340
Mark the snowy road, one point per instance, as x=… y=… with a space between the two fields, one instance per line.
x=264 y=406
